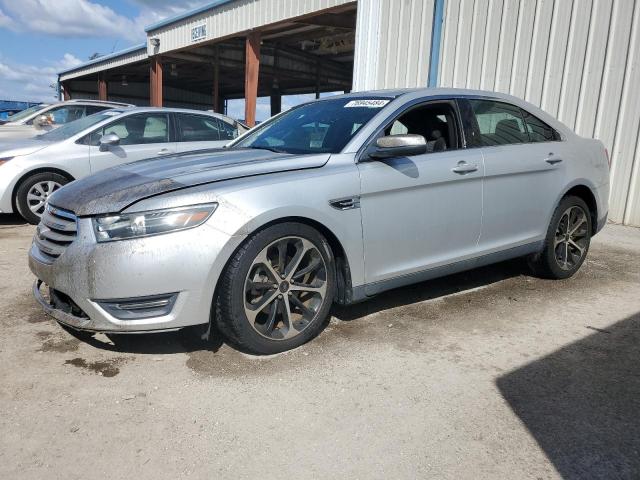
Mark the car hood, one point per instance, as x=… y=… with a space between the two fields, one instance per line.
x=114 y=189
x=15 y=148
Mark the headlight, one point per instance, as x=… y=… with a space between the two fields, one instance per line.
x=5 y=160
x=155 y=222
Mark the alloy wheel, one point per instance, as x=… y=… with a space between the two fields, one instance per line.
x=38 y=195
x=571 y=238
x=285 y=288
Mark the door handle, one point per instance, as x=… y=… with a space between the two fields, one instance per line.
x=551 y=160
x=464 y=168
x=164 y=151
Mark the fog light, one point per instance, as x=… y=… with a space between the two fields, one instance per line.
x=140 y=307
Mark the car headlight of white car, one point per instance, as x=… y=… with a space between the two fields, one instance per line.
x=155 y=222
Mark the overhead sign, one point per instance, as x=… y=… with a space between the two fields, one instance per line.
x=198 y=33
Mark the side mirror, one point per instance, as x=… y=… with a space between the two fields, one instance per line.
x=41 y=121
x=399 y=146
x=108 y=140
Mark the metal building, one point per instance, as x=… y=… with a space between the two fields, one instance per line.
x=577 y=59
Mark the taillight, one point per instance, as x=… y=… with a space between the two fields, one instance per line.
x=606 y=152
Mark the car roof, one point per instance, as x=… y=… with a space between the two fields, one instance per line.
x=132 y=110
x=88 y=102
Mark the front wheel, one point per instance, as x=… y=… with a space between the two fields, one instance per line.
x=276 y=291
x=567 y=241
x=33 y=193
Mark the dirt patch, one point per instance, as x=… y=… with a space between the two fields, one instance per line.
x=104 y=368
x=60 y=345
x=233 y=364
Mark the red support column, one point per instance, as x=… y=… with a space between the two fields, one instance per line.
x=102 y=87
x=251 y=70
x=155 y=82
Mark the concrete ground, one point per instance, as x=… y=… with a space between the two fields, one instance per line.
x=490 y=374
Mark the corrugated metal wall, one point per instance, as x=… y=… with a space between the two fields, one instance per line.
x=577 y=59
x=393 y=43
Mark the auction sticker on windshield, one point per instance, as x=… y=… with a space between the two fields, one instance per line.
x=377 y=103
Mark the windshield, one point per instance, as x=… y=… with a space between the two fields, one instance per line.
x=25 y=113
x=319 y=127
x=70 y=129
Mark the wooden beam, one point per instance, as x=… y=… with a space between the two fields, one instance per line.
x=251 y=71
x=102 y=87
x=155 y=79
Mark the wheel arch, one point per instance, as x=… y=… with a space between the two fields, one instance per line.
x=581 y=190
x=344 y=288
x=36 y=171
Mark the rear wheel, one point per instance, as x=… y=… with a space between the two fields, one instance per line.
x=277 y=290
x=34 y=191
x=567 y=241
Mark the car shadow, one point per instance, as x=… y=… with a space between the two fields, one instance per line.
x=581 y=403
x=433 y=289
x=11 y=219
x=191 y=339
x=187 y=340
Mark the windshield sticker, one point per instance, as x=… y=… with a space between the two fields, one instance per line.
x=366 y=103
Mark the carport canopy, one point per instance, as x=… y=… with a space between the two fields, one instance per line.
x=229 y=49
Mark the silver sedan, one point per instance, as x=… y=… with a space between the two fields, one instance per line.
x=331 y=202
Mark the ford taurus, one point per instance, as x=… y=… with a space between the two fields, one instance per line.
x=333 y=201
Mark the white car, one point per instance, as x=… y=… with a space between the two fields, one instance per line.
x=32 y=169
x=49 y=116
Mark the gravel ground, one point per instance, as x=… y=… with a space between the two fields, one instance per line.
x=490 y=374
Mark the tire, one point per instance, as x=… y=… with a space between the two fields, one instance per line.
x=559 y=257
x=302 y=291
x=38 y=185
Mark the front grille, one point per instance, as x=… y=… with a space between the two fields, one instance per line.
x=55 y=232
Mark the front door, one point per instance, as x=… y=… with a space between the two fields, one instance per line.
x=423 y=211
x=142 y=135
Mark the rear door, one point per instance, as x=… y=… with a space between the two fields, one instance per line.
x=423 y=211
x=199 y=132
x=523 y=173
x=142 y=135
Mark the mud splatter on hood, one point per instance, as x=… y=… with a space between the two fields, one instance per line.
x=112 y=190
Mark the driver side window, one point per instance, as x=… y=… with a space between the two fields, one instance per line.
x=434 y=121
x=138 y=129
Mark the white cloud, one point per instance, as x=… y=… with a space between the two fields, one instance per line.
x=5 y=21
x=30 y=82
x=84 y=18
x=71 y=18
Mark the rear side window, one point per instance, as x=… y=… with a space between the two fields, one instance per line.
x=538 y=130
x=91 y=109
x=227 y=131
x=499 y=123
x=197 y=128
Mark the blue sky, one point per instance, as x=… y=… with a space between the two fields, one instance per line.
x=38 y=38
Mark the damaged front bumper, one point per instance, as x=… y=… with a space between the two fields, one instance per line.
x=158 y=283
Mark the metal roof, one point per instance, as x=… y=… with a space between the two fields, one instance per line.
x=111 y=56
x=187 y=14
